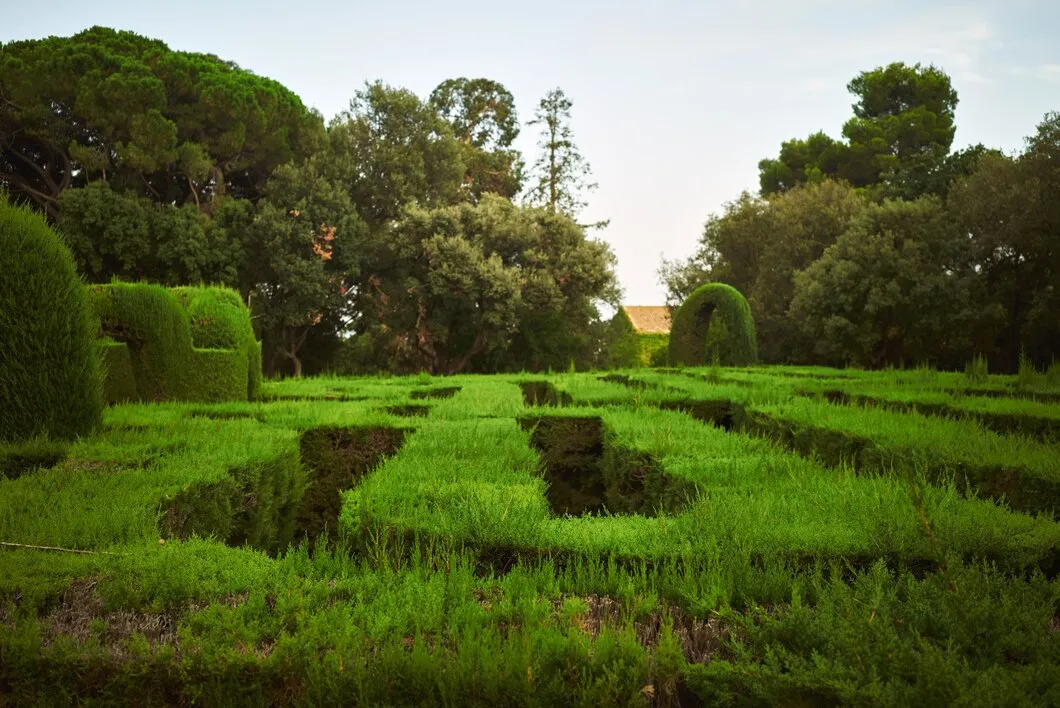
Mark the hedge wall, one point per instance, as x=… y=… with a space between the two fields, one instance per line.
x=51 y=382
x=160 y=329
x=220 y=319
x=722 y=307
x=120 y=381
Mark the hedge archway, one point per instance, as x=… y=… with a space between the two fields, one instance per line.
x=719 y=306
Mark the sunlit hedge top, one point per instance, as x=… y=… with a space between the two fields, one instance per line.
x=692 y=322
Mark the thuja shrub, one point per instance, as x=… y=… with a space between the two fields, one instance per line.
x=51 y=382
x=622 y=345
x=721 y=307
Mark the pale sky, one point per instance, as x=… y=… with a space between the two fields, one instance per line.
x=674 y=102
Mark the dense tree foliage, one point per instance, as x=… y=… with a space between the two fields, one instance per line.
x=180 y=168
x=896 y=143
x=488 y=283
x=888 y=291
x=482 y=115
x=174 y=127
x=117 y=234
x=388 y=239
x=307 y=249
x=835 y=278
x=391 y=148
x=1009 y=213
x=886 y=248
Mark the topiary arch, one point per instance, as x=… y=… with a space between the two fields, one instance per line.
x=721 y=306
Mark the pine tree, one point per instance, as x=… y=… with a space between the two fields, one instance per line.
x=561 y=176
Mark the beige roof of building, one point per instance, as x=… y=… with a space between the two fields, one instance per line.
x=649 y=319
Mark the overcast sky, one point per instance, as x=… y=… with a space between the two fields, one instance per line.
x=674 y=102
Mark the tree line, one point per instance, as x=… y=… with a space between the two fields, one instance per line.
x=405 y=234
x=886 y=247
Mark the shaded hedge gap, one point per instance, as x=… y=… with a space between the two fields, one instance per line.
x=336 y=459
x=588 y=476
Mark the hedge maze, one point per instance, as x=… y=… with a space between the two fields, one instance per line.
x=681 y=536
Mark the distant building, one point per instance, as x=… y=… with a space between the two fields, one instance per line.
x=640 y=336
x=648 y=319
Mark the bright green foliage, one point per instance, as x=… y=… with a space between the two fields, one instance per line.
x=219 y=319
x=654 y=348
x=50 y=378
x=690 y=333
x=625 y=347
x=150 y=319
x=158 y=327
x=774 y=571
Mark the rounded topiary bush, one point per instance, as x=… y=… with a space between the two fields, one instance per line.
x=723 y=309
x=51 y=382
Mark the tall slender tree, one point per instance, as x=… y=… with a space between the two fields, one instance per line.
x=560 y=177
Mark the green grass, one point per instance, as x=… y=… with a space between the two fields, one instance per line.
x=795 y=573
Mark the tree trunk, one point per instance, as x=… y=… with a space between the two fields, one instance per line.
x=291 y=350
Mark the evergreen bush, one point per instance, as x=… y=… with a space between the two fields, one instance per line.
x=51 y=382
x=220 y=319
x=691 y=332
x=184 y=344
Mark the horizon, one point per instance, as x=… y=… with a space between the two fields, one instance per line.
x=744 y=80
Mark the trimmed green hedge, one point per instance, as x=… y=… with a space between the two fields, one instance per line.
x=150 y=320
x=120 y=382
x=217 y=375
x=219 y=319
x=163 y=330
x=50 y=379
x=709 y=306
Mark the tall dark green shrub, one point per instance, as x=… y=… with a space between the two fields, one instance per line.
x=51 y=383
x=621 y=342
x=690 y=331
